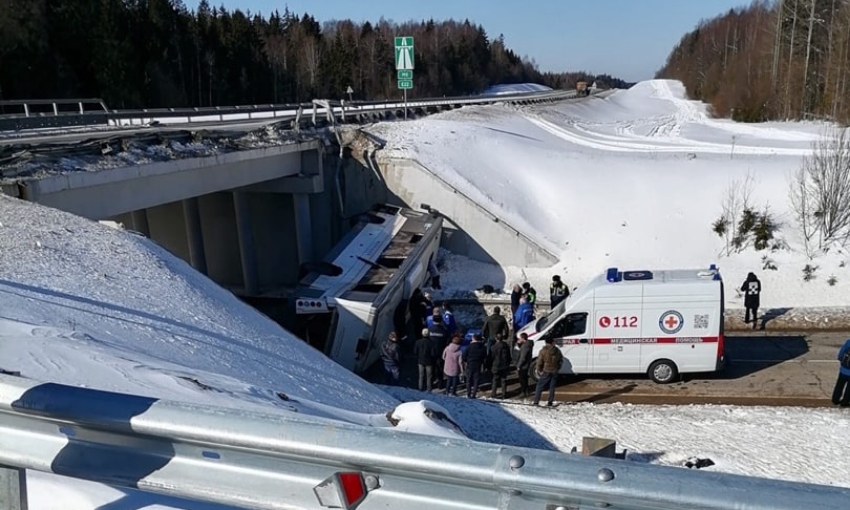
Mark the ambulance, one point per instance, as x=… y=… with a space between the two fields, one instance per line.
x=661 y=323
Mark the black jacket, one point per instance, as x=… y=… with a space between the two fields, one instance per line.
x=475 y=354
x=524 y=359
x=425 y=352
x=501 y=357
x=752 y=291
x=495 y=325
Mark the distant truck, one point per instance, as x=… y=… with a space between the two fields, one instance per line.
x=581 y=88
x=347 y=305
x=661 y=323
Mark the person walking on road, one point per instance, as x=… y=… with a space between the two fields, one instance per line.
x=452 y=365
x=500 y=366
x=426 y=357
x=390 y=358
x=474 y=358
x=523 y=362
x=752 y=290
x=841 y=393
x=548 y=366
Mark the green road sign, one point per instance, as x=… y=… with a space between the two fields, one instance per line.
x=405 y=84
x=405 y=74
x=404 y=53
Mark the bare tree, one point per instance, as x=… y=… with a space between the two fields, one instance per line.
x=736 y=203
x=820 y=190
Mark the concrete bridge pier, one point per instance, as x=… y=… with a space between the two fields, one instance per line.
x=194 y=235
x=140 y=222
x=247 y=250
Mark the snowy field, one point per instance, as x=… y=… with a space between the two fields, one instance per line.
x=85 y=304
x=632 y=180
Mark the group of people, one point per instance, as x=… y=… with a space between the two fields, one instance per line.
x=443 y=364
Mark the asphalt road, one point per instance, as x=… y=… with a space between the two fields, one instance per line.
x=763 y=368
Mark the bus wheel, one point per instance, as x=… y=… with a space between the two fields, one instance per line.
x=663 y=371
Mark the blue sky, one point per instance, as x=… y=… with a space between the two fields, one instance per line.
x=629 y=39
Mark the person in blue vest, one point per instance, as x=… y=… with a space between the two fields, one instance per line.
x=841 y=393
x=524 y=314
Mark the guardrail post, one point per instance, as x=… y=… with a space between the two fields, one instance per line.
x=26 y=110
x=55 y=109
x=13 y=488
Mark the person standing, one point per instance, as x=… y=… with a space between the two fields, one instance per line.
x=500 y=355
x=841 y=393
x=495 y=325
x=523 y=362
x=426 y=357
x=439 y=338
x=558 y=291
x=524 y=314
x=390 y=358
x=752 y=290
x=516 y=294
x=474 y=358
x=419 y=308
x=452 y=365
x=449 y=319
x=549 y=362
x=530 y=294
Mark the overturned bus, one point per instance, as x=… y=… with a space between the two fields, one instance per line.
x=347 y=305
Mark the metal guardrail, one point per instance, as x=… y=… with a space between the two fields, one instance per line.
x=45 y=113
x=276 y=462
x=140 y=117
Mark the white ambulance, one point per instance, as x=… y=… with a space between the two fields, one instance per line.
x=661 y=323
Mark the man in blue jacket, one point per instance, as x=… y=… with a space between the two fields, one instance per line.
x=524 y=314
x=841 y=393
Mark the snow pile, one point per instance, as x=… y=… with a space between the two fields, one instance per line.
x=88 y=305
x=633 y=180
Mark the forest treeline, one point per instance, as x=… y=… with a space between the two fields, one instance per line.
x=775 y=59
x=157 y=53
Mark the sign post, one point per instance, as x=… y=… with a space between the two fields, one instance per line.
x=404 y=66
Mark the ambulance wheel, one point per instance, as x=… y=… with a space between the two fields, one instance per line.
x=663 y=371
x=532 y=371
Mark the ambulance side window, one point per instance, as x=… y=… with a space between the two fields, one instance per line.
x=576 y=324
x=573 y=324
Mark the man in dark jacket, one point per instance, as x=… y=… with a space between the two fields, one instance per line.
x=419 y=309
x=558 y=291
x=841 y=393
x=439 y=338
x=474 y=358
x=426 y=357
x=500 y=355
x=752 y=290
x=549 y=362
x=495 y=325
x=523 y=363
x=391 y=361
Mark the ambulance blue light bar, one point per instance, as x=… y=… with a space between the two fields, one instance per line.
x=613 y=275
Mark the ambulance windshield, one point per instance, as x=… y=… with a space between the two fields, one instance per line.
x=551 y=316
